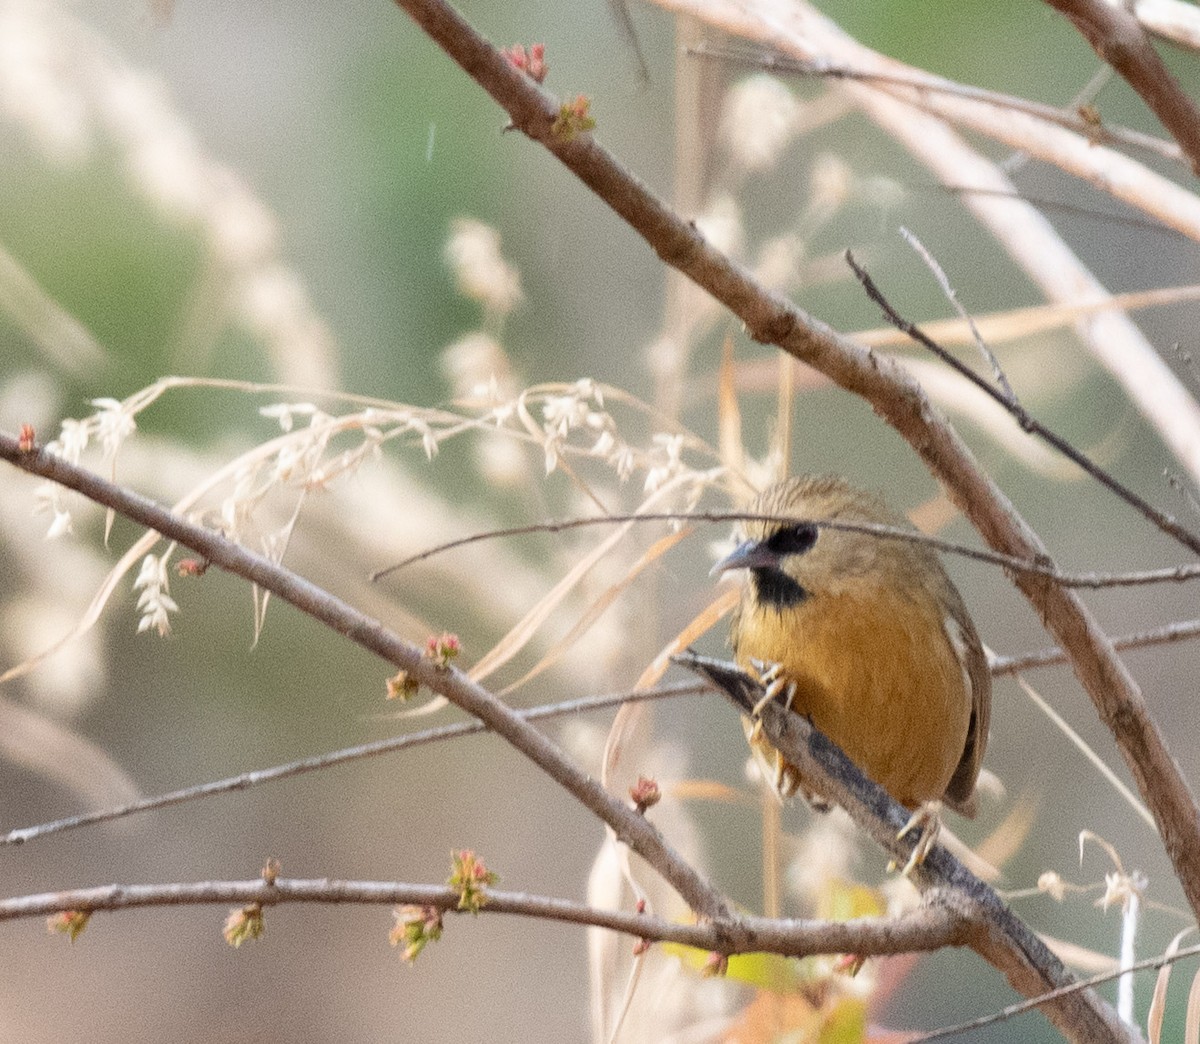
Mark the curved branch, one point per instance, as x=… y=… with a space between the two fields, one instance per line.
x=928 y=928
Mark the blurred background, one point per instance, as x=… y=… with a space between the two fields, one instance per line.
x=313 y=196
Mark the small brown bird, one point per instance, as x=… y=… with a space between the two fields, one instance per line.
x=872 y=634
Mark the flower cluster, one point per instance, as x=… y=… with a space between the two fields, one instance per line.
x=243 y=925
x=471 y=879
x=416 y=927
x=69 y=923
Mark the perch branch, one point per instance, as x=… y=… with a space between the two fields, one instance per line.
x=997 y=934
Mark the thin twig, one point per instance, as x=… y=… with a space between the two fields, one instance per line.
x=1024 y=419
x=1167 y=574
x=246 y=780
x=951 y=295
x=1020 y=1007
x=1172 y=632
x=920 y=80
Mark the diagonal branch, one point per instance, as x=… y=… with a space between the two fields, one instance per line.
x=1117 y=37
x=320 y=762
x=629 y=826
x=892 y=393
x=996 y=933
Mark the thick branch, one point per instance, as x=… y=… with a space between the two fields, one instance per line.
x=1118 y=38
x=894 y=395
x=629 y=826
x=996 y=934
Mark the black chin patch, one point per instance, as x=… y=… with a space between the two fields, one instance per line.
x=775 y=589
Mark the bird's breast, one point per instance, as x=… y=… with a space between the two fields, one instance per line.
x=878 y=674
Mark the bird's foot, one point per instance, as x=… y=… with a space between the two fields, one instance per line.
x=784 y=779
x=770 y=676
x=928 y=820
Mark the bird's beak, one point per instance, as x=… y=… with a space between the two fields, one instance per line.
x=751 y=554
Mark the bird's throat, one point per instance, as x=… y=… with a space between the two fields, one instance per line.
x=775 y=589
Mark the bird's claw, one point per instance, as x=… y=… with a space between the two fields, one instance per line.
x=770 y=676
x=928 y=820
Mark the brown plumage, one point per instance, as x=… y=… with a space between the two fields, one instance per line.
x=875 y=637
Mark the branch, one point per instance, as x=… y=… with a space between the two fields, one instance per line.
x=996 y=934
x=1029 y=424
x=923 y=81
x=1172 y=632
x=1118 y=38
x=628 y=825
x=1166 y=574
x=772 y=319
x=918 y=120
x=246 y=780
x=928 y=928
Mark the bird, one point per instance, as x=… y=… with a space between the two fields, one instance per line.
x=869 y=637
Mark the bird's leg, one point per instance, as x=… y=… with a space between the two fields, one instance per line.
x=784 y=778
x=928 y=820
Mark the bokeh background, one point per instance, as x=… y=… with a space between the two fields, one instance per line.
x=264 y=192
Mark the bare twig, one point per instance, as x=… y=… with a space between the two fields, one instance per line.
x=932 y=926
x=1026 y=420
x=361 y=629
x=246 y=780
x=951 y=295
x=925 y=81
x=1118 y=38
x=1020 y=1007
x=1173 y=632
x=1139 y=578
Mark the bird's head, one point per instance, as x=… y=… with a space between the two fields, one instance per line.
x=790 y=556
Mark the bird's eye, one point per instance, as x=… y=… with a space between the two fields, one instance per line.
x=793 y=540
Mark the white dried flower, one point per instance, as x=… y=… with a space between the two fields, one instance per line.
x=286 y=412
x=480 y=270
x=72 y=440
x=60 y=525
x=478 y=370
x=760 y=117
x=1052 y=884
x=114 y=424
x=155 y=601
